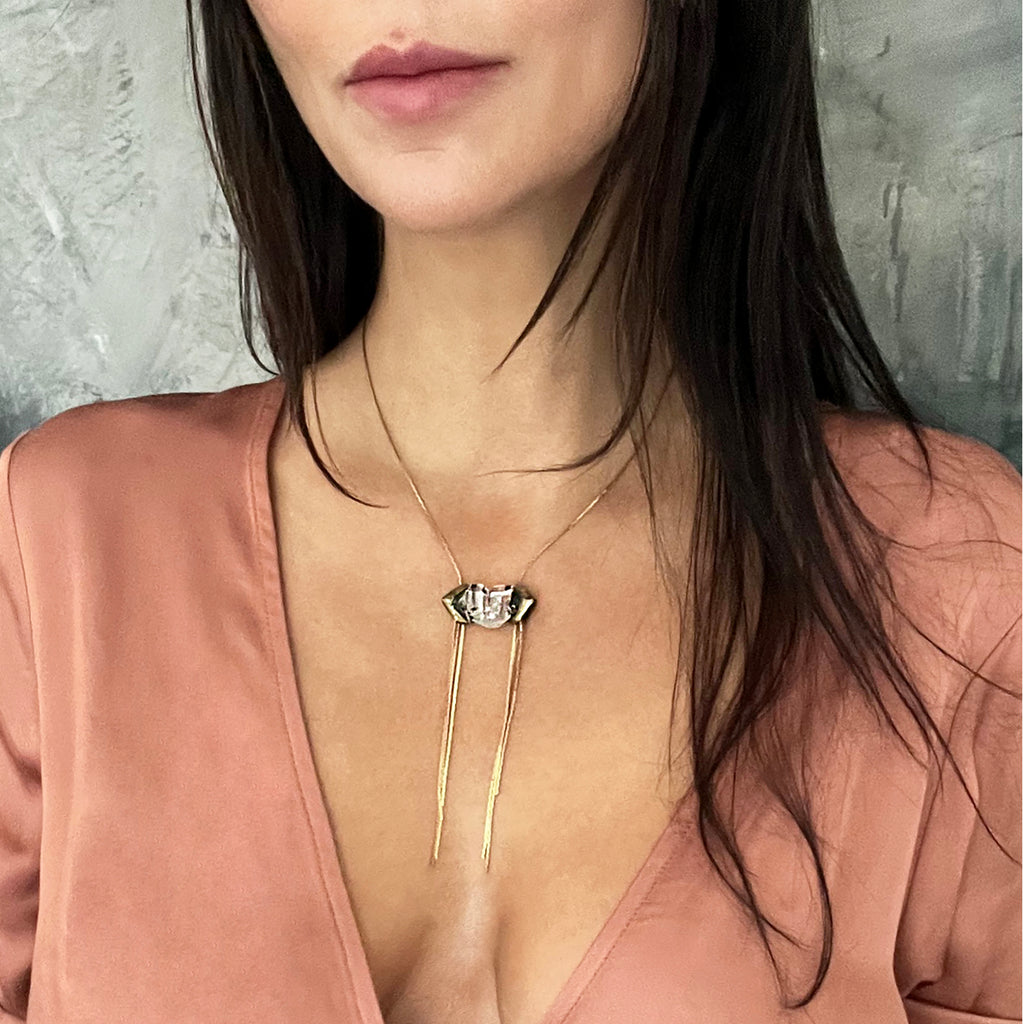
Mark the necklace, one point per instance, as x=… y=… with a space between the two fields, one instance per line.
x=479 y=605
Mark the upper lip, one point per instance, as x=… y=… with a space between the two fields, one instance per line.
x=420 y=57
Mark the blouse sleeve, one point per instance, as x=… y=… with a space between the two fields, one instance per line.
x=19 y=767
x=958 y=957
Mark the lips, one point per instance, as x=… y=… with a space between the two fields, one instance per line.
x=383 y=61
x=416 y=99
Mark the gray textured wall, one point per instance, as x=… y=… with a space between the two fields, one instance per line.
x=117 y=272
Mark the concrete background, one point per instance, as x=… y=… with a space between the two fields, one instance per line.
x=117 y=273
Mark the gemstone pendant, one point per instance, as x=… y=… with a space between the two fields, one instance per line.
x=491 y=607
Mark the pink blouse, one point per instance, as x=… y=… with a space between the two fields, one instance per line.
x=166 y=853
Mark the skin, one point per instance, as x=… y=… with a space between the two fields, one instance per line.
x=478 y=207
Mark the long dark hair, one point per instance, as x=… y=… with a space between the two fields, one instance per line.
x=734 y=257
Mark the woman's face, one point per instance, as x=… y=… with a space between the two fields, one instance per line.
x=532 y=132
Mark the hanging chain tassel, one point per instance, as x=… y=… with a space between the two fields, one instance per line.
x=491 y=607
x=449 y=723
x=515 y=657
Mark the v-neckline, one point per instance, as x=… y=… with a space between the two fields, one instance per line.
x=351 y=947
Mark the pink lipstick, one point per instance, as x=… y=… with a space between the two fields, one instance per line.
x=420 y=83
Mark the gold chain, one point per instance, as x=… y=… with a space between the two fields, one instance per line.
x=458 y=635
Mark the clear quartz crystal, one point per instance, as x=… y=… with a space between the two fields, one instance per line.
x=488 y=606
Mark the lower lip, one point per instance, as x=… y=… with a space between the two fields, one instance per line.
x=420 y=97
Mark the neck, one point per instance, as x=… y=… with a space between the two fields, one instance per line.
x=445 y=316
x=446 y=311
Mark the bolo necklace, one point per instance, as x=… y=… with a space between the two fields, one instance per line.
x=476 y=604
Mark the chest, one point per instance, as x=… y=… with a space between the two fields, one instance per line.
x=585 y=793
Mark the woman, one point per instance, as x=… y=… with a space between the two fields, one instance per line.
x=742 y=660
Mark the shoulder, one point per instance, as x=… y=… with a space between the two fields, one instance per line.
x=135 y=447
x=952 y=541
x=967 y=492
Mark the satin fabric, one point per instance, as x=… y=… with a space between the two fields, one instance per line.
x=165 y=851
